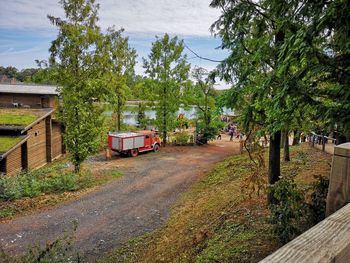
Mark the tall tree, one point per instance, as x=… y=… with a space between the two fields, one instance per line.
x=79 y=60
x=254 y=32
x=166 y=66
x=122 y=61
x=286 y=55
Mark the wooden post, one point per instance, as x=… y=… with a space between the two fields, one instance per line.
x=339 y=184
x=241 y=143
x=108 y=154
x=323 y=143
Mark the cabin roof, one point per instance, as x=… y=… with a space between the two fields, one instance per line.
x=10 y=143
x=29 y=89
x=22 y=119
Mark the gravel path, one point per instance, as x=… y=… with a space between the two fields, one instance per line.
x=133 y=205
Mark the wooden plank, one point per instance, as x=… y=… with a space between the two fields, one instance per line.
x=14 y=162
x=328 y=241
x=37 y=145
x=57 y=140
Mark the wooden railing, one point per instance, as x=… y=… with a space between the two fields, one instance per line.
x=321 y=140
x=326 y=242
x=329 y=240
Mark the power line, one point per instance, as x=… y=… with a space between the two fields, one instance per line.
x=198 y=56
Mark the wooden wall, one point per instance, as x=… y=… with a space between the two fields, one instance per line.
x=57 y=140
x=36 y=145
x=32 y=100
x=14 y=162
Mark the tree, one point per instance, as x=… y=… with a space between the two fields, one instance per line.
x=79 y=60
x=166 y=66
x=11 y=72
x=122 y=62
x=286 y=55
x=254 y=31
x=202 y=95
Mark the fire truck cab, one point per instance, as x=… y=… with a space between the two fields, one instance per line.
x=132 y=143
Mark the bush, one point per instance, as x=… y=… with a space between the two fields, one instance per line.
x=61 y=183
x=317 y=206
x=31 y=184
x=9 y=188
x=182 y=138
x=288 y=214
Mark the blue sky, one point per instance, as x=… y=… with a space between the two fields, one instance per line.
x=26 y=32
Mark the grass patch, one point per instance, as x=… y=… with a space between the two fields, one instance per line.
x=47 y=186
x=6 y=212
x=16 y=118
x=7 y=142
x=218 y=220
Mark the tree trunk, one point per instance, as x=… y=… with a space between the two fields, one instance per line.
x=274 y=163
x=164 y=137
x=77 y=166
x=286 y=156
x=119 y=114
x=296 y=137
x=282 y=140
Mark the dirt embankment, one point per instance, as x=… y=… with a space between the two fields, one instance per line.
x=137 y=203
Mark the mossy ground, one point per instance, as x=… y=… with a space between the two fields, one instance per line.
x=219 y=219
x=7 y=142
x=16 y=117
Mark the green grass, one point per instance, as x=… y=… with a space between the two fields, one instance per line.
x=7 y=142
x=48 y=186
x=6 y=212
x=16 y=118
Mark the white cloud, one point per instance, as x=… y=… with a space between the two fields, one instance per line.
x=182 y=17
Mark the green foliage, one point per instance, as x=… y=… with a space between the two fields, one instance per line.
x=289 y=211
x=207 y=132
x=6 y=212
x=34 y=183
x=122 y=59
x=168 y=71
x=202 y=94
x=116 y=173
x=317 y=205
x=79 y=58
x=181 y=138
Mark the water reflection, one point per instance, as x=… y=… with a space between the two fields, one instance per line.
x=130 y=117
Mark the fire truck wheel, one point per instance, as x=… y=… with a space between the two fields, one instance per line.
x=156 y=148
x=133 y=152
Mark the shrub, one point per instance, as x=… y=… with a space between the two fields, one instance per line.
x=317 y=206
x=9 y=188
x=61 y=183
x=31 y=184
x=289 y=212
x=181 y=138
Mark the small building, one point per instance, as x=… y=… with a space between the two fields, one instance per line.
x=30 y=135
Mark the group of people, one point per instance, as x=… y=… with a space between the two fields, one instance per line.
x=230 y=129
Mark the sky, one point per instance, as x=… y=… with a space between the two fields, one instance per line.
x=26 y=34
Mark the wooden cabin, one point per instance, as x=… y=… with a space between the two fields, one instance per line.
x=30 y=136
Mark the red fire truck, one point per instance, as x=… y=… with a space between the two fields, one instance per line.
x=132 y=143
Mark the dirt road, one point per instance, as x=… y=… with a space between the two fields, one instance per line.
x=137 y=203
